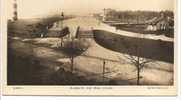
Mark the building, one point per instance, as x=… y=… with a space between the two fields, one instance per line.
x=109 y=14
x=161 y=23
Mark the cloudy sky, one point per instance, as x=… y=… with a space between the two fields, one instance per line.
x=34 y=8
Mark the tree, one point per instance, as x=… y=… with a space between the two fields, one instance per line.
x=135 y=57
x=138 y=62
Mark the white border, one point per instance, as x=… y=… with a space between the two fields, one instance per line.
x=125 y=98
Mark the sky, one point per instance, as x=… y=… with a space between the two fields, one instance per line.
x=40 y=8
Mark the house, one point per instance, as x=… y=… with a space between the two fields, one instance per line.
x=161 y=23
x=109 y=15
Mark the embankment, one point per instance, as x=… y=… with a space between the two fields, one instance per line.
x=147 y=48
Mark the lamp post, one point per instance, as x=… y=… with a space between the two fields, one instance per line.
x=62 y=18
x=103 y=73
x=15 y=6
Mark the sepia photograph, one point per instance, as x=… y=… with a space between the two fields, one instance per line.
x=90 y=43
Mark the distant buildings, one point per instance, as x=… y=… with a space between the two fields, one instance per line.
x=152 y=20
x=108 y=15
x=111 y=15
x=160 y=23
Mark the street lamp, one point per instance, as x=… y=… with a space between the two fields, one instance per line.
x=15 y=13
x=62 y=17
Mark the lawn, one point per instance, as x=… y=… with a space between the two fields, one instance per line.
x=153 y=49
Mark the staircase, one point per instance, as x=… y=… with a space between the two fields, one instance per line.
x=82 y=33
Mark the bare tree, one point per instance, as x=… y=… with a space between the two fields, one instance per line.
x=138 y=61
x=135 y=57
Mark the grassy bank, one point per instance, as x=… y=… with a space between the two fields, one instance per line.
x=27 y=67
x=152 y=49
x=28 y=71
